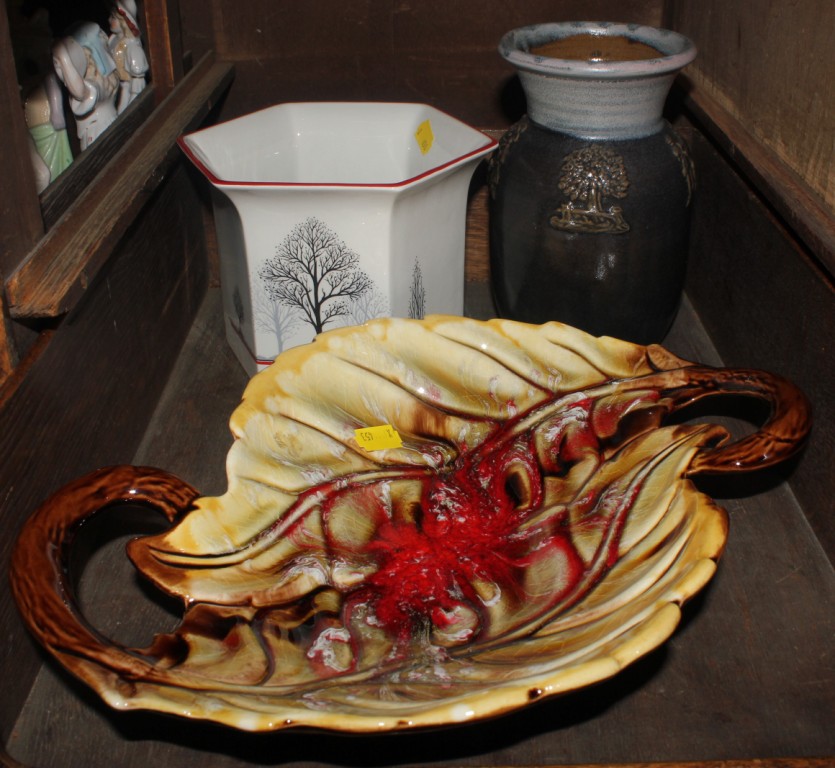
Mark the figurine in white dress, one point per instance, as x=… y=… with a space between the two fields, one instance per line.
x=84 y=65
x=126 y=48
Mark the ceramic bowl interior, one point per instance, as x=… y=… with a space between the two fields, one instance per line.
x=426 y=523
x=334 y=143
x=525 y=48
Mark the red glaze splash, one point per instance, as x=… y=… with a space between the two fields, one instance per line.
x=482 y=531
x=468 y=532
x=470 y=527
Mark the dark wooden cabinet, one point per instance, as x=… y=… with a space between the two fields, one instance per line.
x=113 y=352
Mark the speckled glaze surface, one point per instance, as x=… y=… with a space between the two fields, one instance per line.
x=526 y=527
x=591 y=190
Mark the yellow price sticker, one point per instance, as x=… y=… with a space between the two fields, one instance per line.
x=424 y=136
x=377 y=438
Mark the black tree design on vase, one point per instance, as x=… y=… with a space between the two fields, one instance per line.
x=316 y=274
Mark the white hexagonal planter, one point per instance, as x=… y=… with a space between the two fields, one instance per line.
x=333 y=213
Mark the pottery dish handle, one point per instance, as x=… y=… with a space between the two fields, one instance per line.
x=780 y=437
x=40 y=576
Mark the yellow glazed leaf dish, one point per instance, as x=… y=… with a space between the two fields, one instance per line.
x=426 y=523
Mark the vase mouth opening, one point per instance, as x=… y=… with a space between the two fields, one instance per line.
x=596 y=49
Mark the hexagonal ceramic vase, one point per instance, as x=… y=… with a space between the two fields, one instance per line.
x=334 y=213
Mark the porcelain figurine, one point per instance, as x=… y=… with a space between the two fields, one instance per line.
x=126 y=48
x=42 y=176
x=43 y=111
x=84 y=65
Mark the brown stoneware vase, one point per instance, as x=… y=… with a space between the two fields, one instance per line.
x=591 y=190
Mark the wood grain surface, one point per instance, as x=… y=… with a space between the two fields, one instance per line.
x=791 y=196
x=434 y=52
x=769 y=65
x=20 y=216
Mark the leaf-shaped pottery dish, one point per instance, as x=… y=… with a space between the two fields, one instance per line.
x=525 y=527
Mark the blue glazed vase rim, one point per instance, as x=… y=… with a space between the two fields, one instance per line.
x=678 y=51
